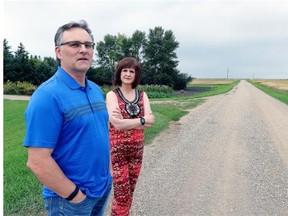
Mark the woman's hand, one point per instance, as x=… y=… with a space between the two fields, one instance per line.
x=149 y=119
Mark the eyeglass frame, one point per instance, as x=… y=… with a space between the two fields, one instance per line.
x=87 y=44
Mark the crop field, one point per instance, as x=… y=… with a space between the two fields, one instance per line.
x=212 y=81
x=275 y=83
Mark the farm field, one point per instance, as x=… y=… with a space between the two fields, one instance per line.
x=275 y=83
x=212 y=81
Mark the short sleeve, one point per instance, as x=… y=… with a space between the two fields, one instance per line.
x=43 y=120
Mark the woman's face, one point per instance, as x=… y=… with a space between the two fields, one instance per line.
x=127 y=76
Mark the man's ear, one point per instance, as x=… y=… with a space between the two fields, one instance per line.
x=58 y=52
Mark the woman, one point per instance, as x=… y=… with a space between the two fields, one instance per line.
x=129 y=113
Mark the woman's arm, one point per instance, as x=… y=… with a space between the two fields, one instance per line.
x=148 y=115
x=117 y=120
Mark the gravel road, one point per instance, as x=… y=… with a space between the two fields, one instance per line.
x=227 y=157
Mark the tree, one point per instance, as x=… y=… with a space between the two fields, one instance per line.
x=137 y=41
x=160 y=59
x=42 y=70
x=180 y=83
x=7 y=61
x=156 y=54
x=22 y=69
x=112 y=50
x=106 y=54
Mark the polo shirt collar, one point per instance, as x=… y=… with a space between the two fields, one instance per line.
x=68 y=80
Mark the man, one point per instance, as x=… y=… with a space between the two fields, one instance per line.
x=67 y=130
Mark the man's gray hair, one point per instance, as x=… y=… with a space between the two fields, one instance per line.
x=80 y=24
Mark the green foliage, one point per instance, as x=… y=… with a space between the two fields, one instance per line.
x=19 y=88
x=215 y=89
x=24 y=68
x=281 y=95
x=160 y=62
x=100 y=76
x=156 y=53
x=107 y=55
x=25 y=88
x=170 y=110
x=8 y=59
x=166 y=112
x=42 y=70
x=105 y=89
x=157 y=91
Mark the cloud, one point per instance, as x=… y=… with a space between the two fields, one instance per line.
x=247 y=36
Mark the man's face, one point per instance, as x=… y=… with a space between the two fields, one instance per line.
x=74 y=56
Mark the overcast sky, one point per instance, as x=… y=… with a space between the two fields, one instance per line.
x=244 y=38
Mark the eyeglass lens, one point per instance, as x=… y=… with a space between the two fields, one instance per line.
x=77 y=44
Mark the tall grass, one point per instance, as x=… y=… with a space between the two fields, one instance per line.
x=279 y=94
x=22 y=191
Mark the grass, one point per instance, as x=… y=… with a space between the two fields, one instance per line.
x=167 y=112
x=22 y=191
x=279 y=94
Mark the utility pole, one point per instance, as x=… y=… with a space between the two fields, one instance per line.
x=227 y=72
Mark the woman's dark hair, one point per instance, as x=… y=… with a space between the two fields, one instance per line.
x=128 y=62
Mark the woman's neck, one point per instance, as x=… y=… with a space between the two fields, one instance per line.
x=126 y=88
x=128 y=92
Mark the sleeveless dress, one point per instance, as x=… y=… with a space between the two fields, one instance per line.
x=126 y=153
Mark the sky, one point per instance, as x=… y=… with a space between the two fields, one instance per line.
x=217 y=38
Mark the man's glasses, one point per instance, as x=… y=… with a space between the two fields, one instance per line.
x=78 y=44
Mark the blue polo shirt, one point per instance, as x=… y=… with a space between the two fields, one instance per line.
x=72 y=120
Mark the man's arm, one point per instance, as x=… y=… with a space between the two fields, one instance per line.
x=49 y=173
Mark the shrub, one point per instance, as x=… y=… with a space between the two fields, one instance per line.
x=19 y=88
x=105 y=89
x=26 y=88
x=157 y=91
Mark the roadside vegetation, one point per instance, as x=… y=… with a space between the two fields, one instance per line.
x=22 y=191
x=156 y=51
x=275 y=88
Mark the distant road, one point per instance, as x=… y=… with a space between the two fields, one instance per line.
x=16 y=97
x=227 y=157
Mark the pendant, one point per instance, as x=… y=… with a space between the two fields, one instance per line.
x=132 y=109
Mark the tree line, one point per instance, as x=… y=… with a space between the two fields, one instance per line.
x=156 y=52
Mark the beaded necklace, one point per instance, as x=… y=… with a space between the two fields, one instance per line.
x=131 y=107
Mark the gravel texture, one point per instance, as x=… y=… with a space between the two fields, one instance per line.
x=228 y=156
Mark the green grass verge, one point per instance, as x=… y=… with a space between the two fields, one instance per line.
x=22 y=191
x=22 y=194
x=281 y=95
x=165 y=112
